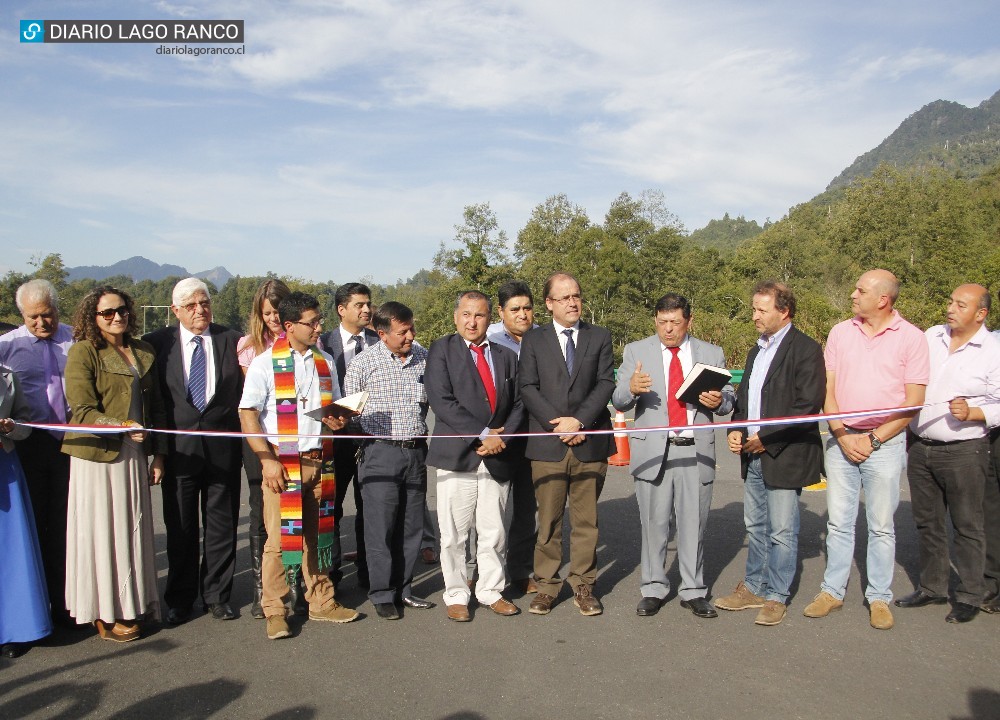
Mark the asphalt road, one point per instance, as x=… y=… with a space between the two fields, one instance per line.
x=617 y=665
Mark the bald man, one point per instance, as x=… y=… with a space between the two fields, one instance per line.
x=948 y=461
x=874 y=360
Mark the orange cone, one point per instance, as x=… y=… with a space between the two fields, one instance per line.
x=622 y=455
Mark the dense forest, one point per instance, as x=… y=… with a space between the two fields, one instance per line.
x=934 y=229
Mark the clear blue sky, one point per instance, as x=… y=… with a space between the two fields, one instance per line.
x=347 y=140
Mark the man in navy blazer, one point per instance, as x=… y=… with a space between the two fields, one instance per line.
x=352 y=336
x=471 y=386
x=202 y=383
x=784 y=376
x=566 y=377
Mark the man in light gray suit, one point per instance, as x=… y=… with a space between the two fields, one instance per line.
x=673 y=470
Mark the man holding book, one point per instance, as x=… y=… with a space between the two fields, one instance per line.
x=673 y=469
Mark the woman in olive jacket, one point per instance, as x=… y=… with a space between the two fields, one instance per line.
x=111 y=380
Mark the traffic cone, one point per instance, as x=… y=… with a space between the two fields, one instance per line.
x=622 y=455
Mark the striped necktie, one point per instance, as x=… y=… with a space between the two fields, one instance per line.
x=197 y=374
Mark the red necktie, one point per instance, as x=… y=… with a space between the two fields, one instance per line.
x=484 y=374
x=676 y=411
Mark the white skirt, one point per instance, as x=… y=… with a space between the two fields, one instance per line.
x=110 y=563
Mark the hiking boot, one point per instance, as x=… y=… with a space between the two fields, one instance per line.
x=585 y=600
x=277 y=628
x=334 y=612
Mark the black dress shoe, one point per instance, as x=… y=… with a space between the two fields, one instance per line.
x=919 y=599
x=962 y=613
x=221 y=611
x=991 y=603
x=387 y=611
x=412 y=601
x=700 y=607
x=13 y=650
x=648 y=606
x=178 y=616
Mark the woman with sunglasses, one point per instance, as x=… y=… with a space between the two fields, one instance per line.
x=111 y=381
x=263 y=327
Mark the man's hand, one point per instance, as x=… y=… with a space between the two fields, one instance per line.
x=492 y=444
x=136 y=435
x=711 y=399
x=6 y=426
x=753 y=445
x=335 y=422
x=640 y=382
x=856 y=446
x=566 y=428
x=735 y=438
x=156 y=470
x=275 y=475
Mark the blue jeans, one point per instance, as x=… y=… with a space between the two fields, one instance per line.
x=772 y=520
x=879 y=477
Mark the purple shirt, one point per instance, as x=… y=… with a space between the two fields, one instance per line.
x=23 y=353
x=871 y=373
x=972 y=372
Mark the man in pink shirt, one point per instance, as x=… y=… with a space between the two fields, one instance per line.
x=874 y=360
x=948 y=460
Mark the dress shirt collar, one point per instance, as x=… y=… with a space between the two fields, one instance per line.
x=186 y=335
x=683 y=347
x=766 y=343
x=943 y=333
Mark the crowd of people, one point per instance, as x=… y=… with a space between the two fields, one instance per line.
x=92 y=415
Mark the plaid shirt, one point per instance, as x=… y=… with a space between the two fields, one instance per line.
x=397 y=398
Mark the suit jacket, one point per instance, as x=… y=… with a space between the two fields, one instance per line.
x=795 y=385
x=331 y=342
x=188 y=451
x=460 y=405
x=548 y=391
x=648 y=450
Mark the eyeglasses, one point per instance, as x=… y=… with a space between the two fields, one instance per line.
x=203 y=304
x=566 y=299
x=110 y=313
x=318 y=322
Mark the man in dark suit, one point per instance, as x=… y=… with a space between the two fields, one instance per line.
x=785 y=376
x=566 y=378
x=674 y=470
x=471 y=386
x=202 y=383
x=354 y=306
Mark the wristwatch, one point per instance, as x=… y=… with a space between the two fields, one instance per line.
x=876 y=443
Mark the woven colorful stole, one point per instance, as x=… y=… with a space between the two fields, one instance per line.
x=286 y=403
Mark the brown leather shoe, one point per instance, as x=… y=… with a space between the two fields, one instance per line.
x=527 y=585
x=121 y=632
x=458 y=613
x=585 y=600
x=541 y=604
x=504 y=607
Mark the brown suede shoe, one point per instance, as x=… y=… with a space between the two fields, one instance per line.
x=277 y=627
x=772 y=613
x=822 y=605
x=585 y=600
x=740 y=599
x=541 y=604
x=334 y=612
x=504 y=607
x=881 y=616
x=458 y=613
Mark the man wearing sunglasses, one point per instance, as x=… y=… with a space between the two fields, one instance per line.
x=202 y=383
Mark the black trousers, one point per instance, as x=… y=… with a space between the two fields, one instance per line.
x=394 y=487
x=991 y=518
x=212 y=494
x=255 y=496
x=47 y=471
x=346 y=468
x=949 y=480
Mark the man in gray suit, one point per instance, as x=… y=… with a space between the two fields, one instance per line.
x=673 y=470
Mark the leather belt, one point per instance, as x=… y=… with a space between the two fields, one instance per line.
x=682 y=441
x=935 y=443
x=406 y=444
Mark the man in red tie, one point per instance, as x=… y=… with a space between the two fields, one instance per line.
x=673 y=469
x=471 y=386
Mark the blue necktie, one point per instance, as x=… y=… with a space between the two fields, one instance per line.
x=358 y=344
x=196 y=374
x=570 y=350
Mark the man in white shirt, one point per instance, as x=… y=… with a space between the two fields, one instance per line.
x=307 y=379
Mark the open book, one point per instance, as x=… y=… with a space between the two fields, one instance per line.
x=345 y=407
x=702 y=378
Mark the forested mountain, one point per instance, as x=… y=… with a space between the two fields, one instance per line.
x=944 y=134
x=725 y=234
x=139 y=268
